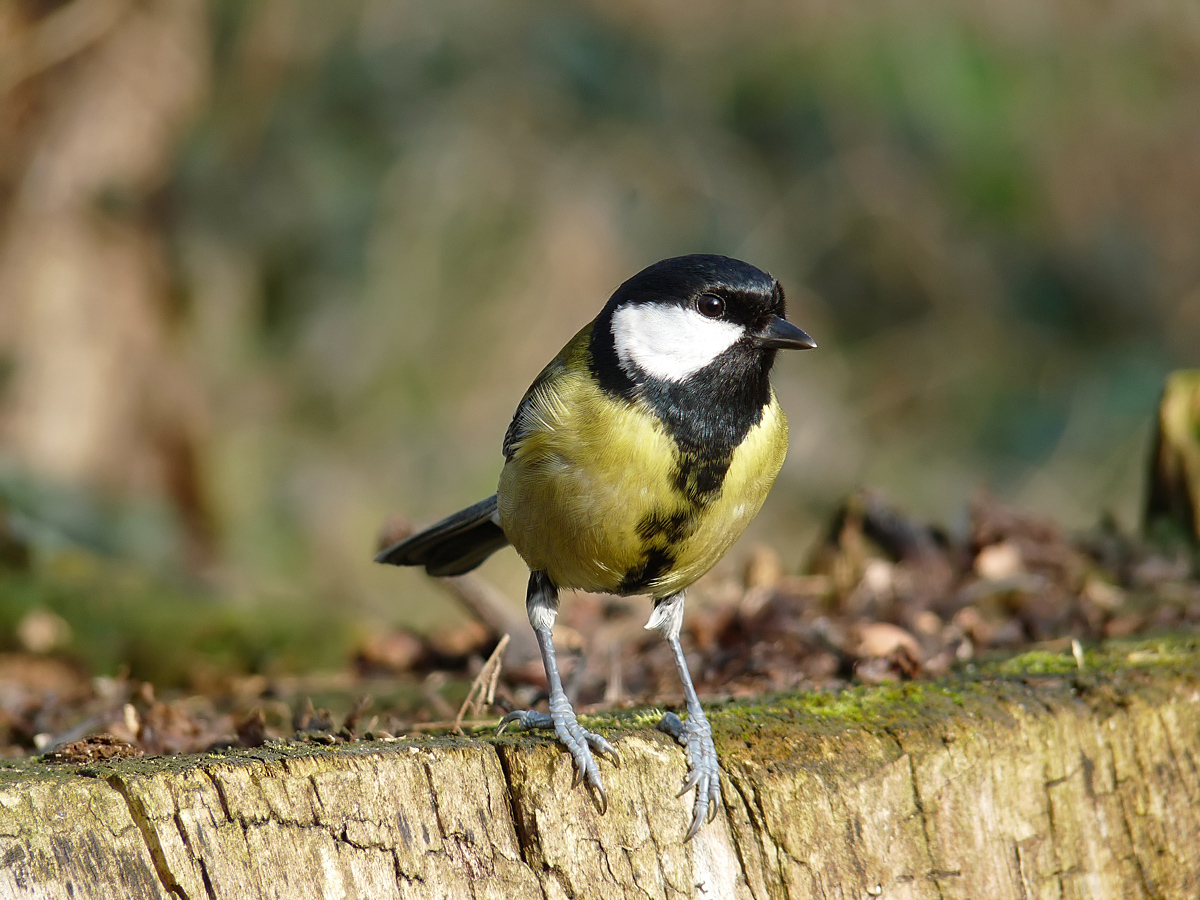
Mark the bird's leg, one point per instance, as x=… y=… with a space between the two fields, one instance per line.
x=541 y=604
x=695 y=734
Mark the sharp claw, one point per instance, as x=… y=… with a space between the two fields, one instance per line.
x=703 y=772
x=604 y=748
x=579 y=742
x=693 y=779
x=599 y=798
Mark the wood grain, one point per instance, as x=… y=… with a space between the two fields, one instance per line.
x=1027 y=786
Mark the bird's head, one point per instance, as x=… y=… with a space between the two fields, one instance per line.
x=688 y=315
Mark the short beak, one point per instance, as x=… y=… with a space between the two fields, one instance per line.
x=780 y=334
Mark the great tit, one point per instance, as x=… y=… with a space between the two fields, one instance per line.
x=633 y=462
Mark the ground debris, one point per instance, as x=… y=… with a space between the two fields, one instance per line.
x=91 y=749
x=883 y=598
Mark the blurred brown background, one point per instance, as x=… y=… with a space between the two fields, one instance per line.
x=272 y=270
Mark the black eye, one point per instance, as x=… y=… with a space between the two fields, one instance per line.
x=711 y=305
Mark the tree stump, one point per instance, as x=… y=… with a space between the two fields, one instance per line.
x=1173 y=498
x=1039 y=780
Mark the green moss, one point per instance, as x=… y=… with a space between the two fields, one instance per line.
x=1040 y=662
x=1180 y=652
x=1164 y=653
x=800 y=722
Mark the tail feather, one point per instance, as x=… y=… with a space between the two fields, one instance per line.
x=455 y=545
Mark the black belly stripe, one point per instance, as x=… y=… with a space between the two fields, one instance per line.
x=697 y=482
x=657 y=562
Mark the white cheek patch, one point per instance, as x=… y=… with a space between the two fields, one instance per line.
x=669 y=342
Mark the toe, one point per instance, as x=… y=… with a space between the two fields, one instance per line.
x=714 y=796
x=599 y=797
x=672 y=725
x=693 y=779
x=600 y=745
x=580 y=743
x=704 y=772
x=698 y=818
x=525 y=720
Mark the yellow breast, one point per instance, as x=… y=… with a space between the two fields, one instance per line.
x=590 y=494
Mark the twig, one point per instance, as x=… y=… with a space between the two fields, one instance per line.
x=483 y=688
x=447 y=725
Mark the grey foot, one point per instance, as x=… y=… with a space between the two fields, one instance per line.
x=703 y=772
x=580 y=742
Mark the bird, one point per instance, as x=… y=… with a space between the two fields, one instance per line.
x=633 y=462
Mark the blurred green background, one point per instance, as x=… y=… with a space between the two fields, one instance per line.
x=358 y=229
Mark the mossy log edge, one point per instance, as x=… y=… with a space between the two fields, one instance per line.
x=1034 y=781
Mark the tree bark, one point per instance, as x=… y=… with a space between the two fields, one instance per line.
x=1081 y=784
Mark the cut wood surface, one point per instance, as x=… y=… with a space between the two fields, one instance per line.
x=1032 y=780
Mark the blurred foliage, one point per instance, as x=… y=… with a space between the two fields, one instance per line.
x=123 y=619
x=391 y=214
